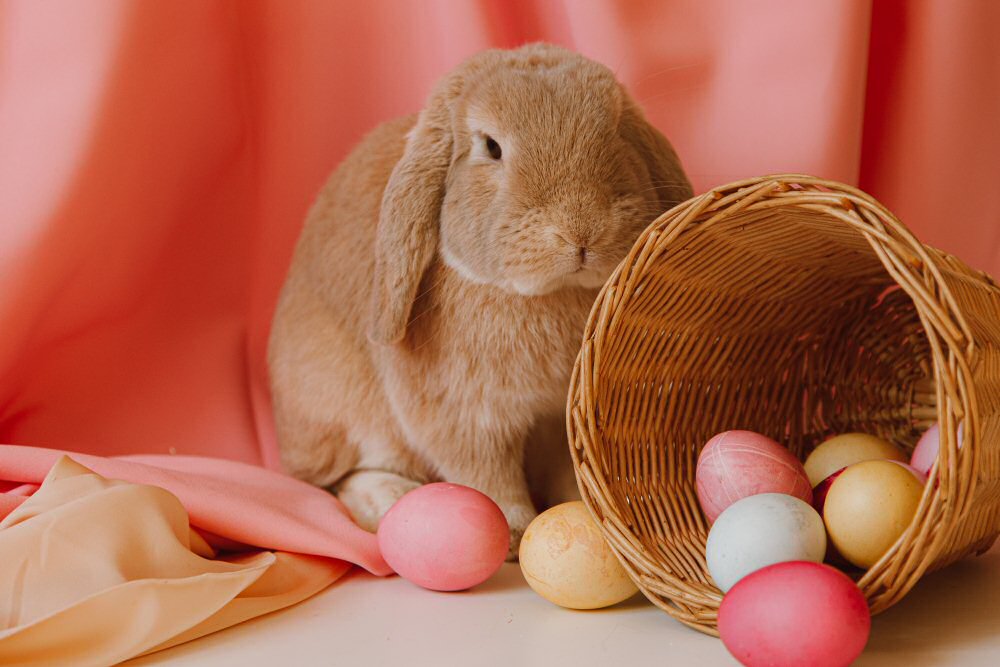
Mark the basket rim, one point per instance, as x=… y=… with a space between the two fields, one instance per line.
x=911 y=265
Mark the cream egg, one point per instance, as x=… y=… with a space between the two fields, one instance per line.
x=566 y=560
x=762 y=530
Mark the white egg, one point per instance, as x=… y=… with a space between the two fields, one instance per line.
x=762 y=530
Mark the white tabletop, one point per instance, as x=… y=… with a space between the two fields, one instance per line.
x=951 y=618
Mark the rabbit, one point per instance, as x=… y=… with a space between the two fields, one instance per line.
x=437 y=295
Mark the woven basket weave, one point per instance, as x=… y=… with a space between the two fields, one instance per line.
x=798 y=308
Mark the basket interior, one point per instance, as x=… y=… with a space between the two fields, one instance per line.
x=782 y=321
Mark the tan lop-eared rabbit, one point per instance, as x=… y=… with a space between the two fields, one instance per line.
x=438 y=293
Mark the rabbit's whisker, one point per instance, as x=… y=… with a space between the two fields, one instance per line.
x=671 y=92
x=661 y=72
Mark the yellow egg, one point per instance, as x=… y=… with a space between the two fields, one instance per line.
x=847 y=449
x=868 y=507
x=566 y=560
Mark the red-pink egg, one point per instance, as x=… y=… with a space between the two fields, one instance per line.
x=926 y=452
x=819 y=502
x=737 y=464
x=445 y=537
x=793 y=614
x=821 y=489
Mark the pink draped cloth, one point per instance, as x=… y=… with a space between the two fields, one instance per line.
x=234 y=504
x=157 y=160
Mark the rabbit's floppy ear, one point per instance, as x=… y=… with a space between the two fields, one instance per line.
x=665 y=171
x=407 y=236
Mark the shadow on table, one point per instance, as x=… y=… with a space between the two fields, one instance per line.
x=946 y=610
x=510 y=578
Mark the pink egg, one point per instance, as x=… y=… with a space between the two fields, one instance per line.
x=793 y=614
x=921 y=477
x=445 y=537
x=926 y=451
x=737 y=464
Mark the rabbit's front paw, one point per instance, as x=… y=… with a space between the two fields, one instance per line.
x=368 y=495
x=518 y=518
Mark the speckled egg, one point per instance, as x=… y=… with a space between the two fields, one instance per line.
x=566 y=560
x=921 y=477
x=868 y=507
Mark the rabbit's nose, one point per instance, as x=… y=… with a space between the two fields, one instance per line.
x=581 y=242
x=575 y=238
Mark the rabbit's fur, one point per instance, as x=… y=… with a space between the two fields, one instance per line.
x=438 y=293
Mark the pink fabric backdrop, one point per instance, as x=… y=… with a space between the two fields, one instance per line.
x=157 y=159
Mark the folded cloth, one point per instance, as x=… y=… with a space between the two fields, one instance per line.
x=97 y=571
x=236 y=502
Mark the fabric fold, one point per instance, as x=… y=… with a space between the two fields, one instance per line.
x=234 y=501
x=97 y=571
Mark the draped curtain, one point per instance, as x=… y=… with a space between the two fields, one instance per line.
x=157 y=159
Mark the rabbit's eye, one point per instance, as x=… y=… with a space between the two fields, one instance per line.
x=493 y=148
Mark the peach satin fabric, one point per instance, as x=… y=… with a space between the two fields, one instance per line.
x=97 y=571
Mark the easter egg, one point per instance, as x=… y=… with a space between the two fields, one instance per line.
x=823 y=488
x=762 y=530
x=794 y=614
x=566 y=560
x=921 y=477
x=868 y=507
x=445 y=537
x=926 y=451
x=819 y=501
x=737 y=464
x=847 y=449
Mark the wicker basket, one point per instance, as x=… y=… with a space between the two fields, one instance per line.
x=798 y=308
